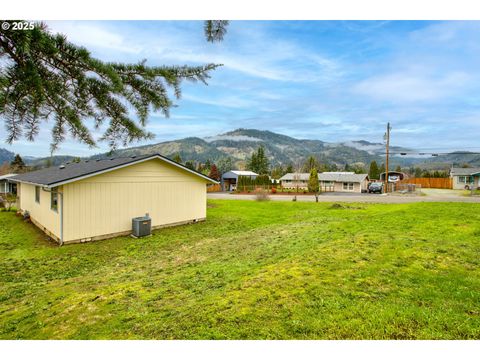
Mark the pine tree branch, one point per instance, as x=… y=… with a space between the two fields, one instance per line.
x=48 y=77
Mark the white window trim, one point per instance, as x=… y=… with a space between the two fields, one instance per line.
x=37 y=188
x=51 y=200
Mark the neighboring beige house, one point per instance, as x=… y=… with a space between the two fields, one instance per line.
x=97 y=199
x=329 y=181
x=465 y=178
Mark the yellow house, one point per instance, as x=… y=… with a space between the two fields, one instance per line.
x=97 y=199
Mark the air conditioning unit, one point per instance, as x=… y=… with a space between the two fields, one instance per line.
x=141 y=226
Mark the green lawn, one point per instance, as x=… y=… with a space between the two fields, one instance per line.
x=270 y=270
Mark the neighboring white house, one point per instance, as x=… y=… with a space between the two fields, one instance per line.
x=329 y=181
x=465 y=178
x=230 y=179
x=7 y=186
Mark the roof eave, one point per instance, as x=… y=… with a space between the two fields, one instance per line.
x=29 y=182
x=85 y=176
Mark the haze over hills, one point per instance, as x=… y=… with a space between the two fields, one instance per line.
x=280 y=149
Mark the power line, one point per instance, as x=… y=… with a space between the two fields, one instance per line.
x=443 y=148
x=406 y=153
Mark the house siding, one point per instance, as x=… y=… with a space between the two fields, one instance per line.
x=41 y=214
x=104 y=205
x=461 y=185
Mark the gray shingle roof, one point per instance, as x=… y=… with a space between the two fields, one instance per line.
x=70 y=172
x=295 y=176
x=342 y=177
x=464 y=171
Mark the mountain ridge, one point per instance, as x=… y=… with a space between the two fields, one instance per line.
x=281 y=149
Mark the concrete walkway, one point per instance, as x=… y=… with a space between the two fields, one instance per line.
x=363 y=198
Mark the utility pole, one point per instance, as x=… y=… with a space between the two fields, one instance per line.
x=387 y=138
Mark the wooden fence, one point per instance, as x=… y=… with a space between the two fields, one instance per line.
x=214 y=188
x=437 y=183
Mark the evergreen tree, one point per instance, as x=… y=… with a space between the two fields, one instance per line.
x=310 y=164
x=224 y=165
x=258 y=162
x=215 y=30
x=190 y=164
x=262 y=161
x=374 y=172
x=289 y=169
x=398 y=168
x=262 y=180
x=252 y=163
x=177 y=158
x=313 y=185
x=382 y=169
x=214 y=174
x=332 y=167
x=17 y=165
x=278 y=172
x=45 y=77
x=208 y=164
x=426 y=174
x=418 y=172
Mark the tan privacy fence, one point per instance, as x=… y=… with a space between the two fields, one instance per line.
x=214 y=188
x=437 y=183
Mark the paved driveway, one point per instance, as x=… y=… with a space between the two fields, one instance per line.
x=356 y=197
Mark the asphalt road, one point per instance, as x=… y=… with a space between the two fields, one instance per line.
x=363 y=198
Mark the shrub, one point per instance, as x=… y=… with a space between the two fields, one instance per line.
x=261 y=195
x=274 y=190
x=9 y=201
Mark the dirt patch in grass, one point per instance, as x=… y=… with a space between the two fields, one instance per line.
x=345 y=206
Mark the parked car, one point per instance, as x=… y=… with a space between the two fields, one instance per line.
x=375 y=187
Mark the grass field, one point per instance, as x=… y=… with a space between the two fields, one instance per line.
x=271 y=270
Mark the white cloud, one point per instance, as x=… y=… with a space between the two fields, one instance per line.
x=409 y=87
x=91 y=34
x=232 y=138
x=254 y=53
x=227 y=101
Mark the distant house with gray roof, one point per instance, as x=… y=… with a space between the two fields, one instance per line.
x=465 y=178
x=329 y=181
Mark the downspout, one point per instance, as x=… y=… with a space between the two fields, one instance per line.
x=61 y=213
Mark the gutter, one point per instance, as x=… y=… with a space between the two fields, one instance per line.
x=61 y=211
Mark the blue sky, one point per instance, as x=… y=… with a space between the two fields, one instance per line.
x=327 y=80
